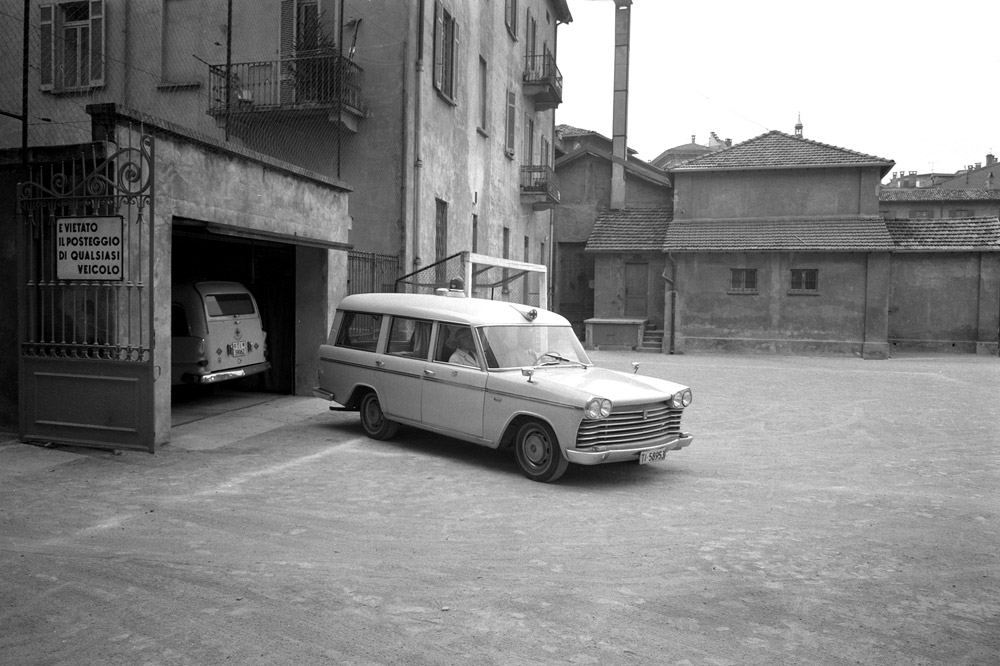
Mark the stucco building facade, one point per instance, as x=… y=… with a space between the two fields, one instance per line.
x=270 y=142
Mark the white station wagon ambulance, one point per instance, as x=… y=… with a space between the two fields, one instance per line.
x=496 y=374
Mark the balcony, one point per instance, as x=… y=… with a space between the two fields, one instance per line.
x=306 y=85
x=543 y=81
x=539 y=186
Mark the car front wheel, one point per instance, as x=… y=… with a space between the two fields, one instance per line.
x=373 y=420
x=538 y=453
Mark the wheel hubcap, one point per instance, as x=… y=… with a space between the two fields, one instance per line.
x=535 y=449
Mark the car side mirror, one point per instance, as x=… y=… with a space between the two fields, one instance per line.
x=527 y=372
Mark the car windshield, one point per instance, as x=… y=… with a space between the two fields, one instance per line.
x=531 y=345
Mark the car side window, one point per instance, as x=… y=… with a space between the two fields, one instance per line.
x=409 y=337
x=359 y=330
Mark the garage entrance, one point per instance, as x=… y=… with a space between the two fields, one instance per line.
x=267 y=269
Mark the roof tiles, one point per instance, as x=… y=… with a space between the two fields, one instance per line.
x=775 y=150
x=630 y=230
x=855 y=234
x=946 y=235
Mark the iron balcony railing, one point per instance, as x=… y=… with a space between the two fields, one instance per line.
x=323 y=80
x=543 y=80
x=540 y=179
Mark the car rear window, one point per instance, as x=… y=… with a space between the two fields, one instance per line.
x=228 y=305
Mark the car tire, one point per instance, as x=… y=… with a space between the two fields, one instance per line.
x=373 y=419
x=538 y=453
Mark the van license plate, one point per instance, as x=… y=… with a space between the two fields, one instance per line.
x=238 y=348
x=652 y=456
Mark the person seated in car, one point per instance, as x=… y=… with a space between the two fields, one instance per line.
x=465 y=351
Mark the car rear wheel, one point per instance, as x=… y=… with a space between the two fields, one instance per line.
x=538 y=453
x=373 y=420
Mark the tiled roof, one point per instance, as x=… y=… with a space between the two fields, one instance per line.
x=944 y=235
x=775 y=150
x=630 y=230
x=890 y=194
x=854 y=234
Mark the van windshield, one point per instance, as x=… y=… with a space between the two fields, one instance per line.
x=530 y=345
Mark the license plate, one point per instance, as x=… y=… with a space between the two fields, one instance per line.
x=652 y=456
x=238 y=348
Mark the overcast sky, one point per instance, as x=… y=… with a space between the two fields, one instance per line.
x=914 y=82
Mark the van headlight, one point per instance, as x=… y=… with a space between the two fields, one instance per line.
x=597 y=408
x=681 y=398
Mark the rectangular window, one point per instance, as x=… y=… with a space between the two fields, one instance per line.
x=359 y=330
x=528 y=154
x=743 y=280
x=409 y=337
x=805 y=279
x=530 y=35
x=506 y=255
x=961 y=212
x=510 y=17
x=921 y=214
x=445 y=51
x=527 y=249
x=511 y=123
x=72 y=45
x=475 y=233
x=441 y=240
x=484 y=102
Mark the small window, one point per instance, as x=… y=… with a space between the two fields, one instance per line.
x=228 y=305
x=921 y=214
x=409 y=337
x=743 y=280
x=359 y=330
x=445 y=52
x=805 y=279
x=961 y=212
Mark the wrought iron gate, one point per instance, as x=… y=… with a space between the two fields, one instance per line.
x=85 y=298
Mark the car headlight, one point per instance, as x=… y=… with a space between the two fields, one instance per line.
x=597 y=408
x=681 y=398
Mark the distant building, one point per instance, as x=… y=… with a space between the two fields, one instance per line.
x=687 y=151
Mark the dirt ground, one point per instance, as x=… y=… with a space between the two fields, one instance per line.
x=831 y=511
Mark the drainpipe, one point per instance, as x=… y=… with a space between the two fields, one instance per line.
x=418 y=162
x=673 y=299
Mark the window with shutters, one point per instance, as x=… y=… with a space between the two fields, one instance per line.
x=72 y=45
x=510 y=17
x=511 y=123
x=445 y=52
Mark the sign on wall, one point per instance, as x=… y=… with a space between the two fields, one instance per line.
x=89 y=248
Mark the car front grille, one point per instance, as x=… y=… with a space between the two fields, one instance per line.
x=631 y=425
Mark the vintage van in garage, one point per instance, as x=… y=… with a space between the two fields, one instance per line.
x=496 y=374
x=216 y=333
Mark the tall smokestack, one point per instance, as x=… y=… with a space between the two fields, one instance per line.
x=619 y=121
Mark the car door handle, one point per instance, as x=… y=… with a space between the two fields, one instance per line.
x=429 y=373
x=380 y=363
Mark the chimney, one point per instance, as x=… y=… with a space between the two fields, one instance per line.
x=692 y=138
x=619 y=121
x=798 y=126
x=990 y=159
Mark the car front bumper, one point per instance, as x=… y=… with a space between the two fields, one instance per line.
x=597 y=455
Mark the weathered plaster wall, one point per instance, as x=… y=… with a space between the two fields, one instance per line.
x=609 y=281
x=710 y=316
x=776 y=193
x=944 y=302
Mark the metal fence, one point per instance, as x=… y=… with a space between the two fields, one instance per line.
x=370 y=272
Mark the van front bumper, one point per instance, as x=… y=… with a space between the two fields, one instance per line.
x=596 y=455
